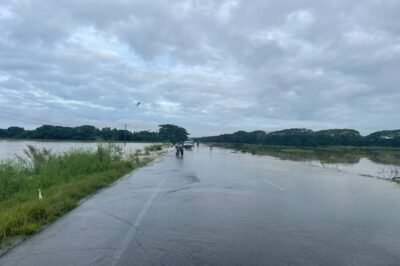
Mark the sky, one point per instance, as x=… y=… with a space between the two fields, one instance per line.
x=210 y=66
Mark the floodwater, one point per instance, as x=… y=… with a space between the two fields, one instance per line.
x=366 y=165
x=215 y=207
x=8 y=149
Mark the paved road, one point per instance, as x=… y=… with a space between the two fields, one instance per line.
x=222 y=208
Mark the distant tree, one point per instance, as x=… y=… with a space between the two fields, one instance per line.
x=51 y=132
x=344 y=137
x=307 y=137
x=173 y=133
x=85 y=132
x=3 y=133
x=106 y=133
x=146 y=136
x=15 y=132
x=390 y=138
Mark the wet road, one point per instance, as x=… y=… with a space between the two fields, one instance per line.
x=222 y=208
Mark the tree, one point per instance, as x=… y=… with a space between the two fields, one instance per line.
x=15 y=132
x=85 y=132
x=173 y=133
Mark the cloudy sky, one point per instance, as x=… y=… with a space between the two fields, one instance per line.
x=210 y=66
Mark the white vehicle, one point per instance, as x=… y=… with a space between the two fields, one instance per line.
x=188 y=144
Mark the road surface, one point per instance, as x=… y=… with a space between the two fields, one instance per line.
x=215 y=207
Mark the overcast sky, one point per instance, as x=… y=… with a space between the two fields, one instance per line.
x=209 y=66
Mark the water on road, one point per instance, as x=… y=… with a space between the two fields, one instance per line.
x=215 y=207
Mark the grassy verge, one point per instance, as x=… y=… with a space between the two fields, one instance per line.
x=64 y=179
x=326 y=154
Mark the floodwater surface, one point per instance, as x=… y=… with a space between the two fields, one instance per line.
x=370 y=163
x=215 y=207
x=10 y=148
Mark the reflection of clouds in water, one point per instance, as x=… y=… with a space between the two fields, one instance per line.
x=348 y=163
x=364 y=167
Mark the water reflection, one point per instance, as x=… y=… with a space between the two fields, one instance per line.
x=382 y=163
x=323 y=157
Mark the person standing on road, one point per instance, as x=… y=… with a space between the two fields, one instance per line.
x=179 y=149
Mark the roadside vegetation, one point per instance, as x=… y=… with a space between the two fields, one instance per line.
x=63 y=179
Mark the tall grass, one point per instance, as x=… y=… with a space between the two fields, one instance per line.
x=63 y=179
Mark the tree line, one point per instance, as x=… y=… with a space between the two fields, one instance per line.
x=166 y=132
x=307 y=137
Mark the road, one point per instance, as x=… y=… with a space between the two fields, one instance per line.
x=215 y=207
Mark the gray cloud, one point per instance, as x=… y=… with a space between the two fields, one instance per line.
x=211 y=66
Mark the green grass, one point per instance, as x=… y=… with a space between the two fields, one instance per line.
x=152 y=148
x=64 y=179
x=297 y=150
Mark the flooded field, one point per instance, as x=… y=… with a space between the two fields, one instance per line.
x=362 y=165
x=9 y=149
x=376 y=163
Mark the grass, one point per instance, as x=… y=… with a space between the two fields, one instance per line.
x=325 y=154
x=152 y=148
x=64 y=179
